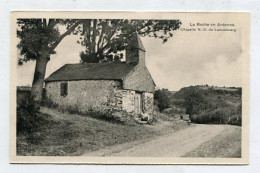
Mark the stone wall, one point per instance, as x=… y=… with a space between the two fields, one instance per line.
x=87 y=95
x=128 y=98
x=148 y=103
x=100 y=95
x=129 y=102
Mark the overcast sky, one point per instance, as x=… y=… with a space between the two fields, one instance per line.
x=189 y=58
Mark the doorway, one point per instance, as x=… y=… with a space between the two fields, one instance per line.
x=138 y=103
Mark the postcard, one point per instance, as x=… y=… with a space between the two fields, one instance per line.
x=129 y=87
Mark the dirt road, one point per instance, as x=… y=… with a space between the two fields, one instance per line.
x=175 y=144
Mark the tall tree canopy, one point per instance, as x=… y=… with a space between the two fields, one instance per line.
x=38 y=40
x=102 y=38
x=105 y=38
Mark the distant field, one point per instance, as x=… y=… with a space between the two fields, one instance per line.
x=218 y=88
x=226 y=89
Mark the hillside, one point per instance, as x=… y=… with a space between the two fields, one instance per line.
x=60 y=133
x=205 y=104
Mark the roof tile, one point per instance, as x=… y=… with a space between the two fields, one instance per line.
x=96 y=71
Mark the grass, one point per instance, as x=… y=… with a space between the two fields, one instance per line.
x=225 y=145
x=69 y=134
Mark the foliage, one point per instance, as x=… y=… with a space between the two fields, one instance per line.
x=110 y=115
x=194 y=102
x=46 y=102
x=162 y=98
x=210 y=105
x=102 y=38
x=174 y=110
x=38 y=40
x=39 y=36
x=29 y=117
x=105 y=38
x=76 y=135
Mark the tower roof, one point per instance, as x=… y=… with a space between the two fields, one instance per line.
x=135 y=42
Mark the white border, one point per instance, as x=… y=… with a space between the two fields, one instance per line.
x=131 y=5
x=241 y=19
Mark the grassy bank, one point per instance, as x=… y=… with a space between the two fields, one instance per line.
x=72 y=134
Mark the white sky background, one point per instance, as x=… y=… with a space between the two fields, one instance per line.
x=188 y=58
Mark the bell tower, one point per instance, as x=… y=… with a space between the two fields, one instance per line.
x=135 y=51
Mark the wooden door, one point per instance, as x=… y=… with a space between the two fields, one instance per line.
x=138 y=103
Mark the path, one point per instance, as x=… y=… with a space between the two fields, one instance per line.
x=175 y=144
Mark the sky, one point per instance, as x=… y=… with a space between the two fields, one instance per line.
x=188 y=58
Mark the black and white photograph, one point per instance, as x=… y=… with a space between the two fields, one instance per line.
x=133 y=88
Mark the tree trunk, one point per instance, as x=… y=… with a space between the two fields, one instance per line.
x=38 y=79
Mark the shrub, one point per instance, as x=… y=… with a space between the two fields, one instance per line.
x=162 y=98
x=173 y=111
x=226 y=115
x=28 y=116
x=110 y=115
x=158 y=115
x=212 y=106
x=73 y=110
x=178 y=102
x=113 y=116
x=235 y=120
x=48 y=103
x=194 y=102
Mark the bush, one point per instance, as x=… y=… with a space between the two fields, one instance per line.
x=113 y=116
x=110 y=115
x=48 y=103
x=158 y=115
x=162 y=98
x=28 y=116
x=235 y=120
x=173 y=111
x=178 y=102
x=194 y=102
x=211 y=106
x=226 y=115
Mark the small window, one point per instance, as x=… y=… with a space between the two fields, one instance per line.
x=64 y=89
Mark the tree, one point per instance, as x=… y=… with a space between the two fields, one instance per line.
x=38 y=40
x=162 y=98
x=105 y=38
x=194 y=101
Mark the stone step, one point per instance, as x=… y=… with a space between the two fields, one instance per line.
x=138 y=120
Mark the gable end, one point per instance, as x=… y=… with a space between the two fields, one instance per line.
x=139 y=79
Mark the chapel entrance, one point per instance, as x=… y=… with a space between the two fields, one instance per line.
x=138 y=103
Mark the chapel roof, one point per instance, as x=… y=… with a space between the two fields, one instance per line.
x=91 y=71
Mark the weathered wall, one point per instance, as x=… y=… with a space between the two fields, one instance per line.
x=101 y=95
x=139 y=80
x=148 y=103
x=128 y=101
x=87 y=95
